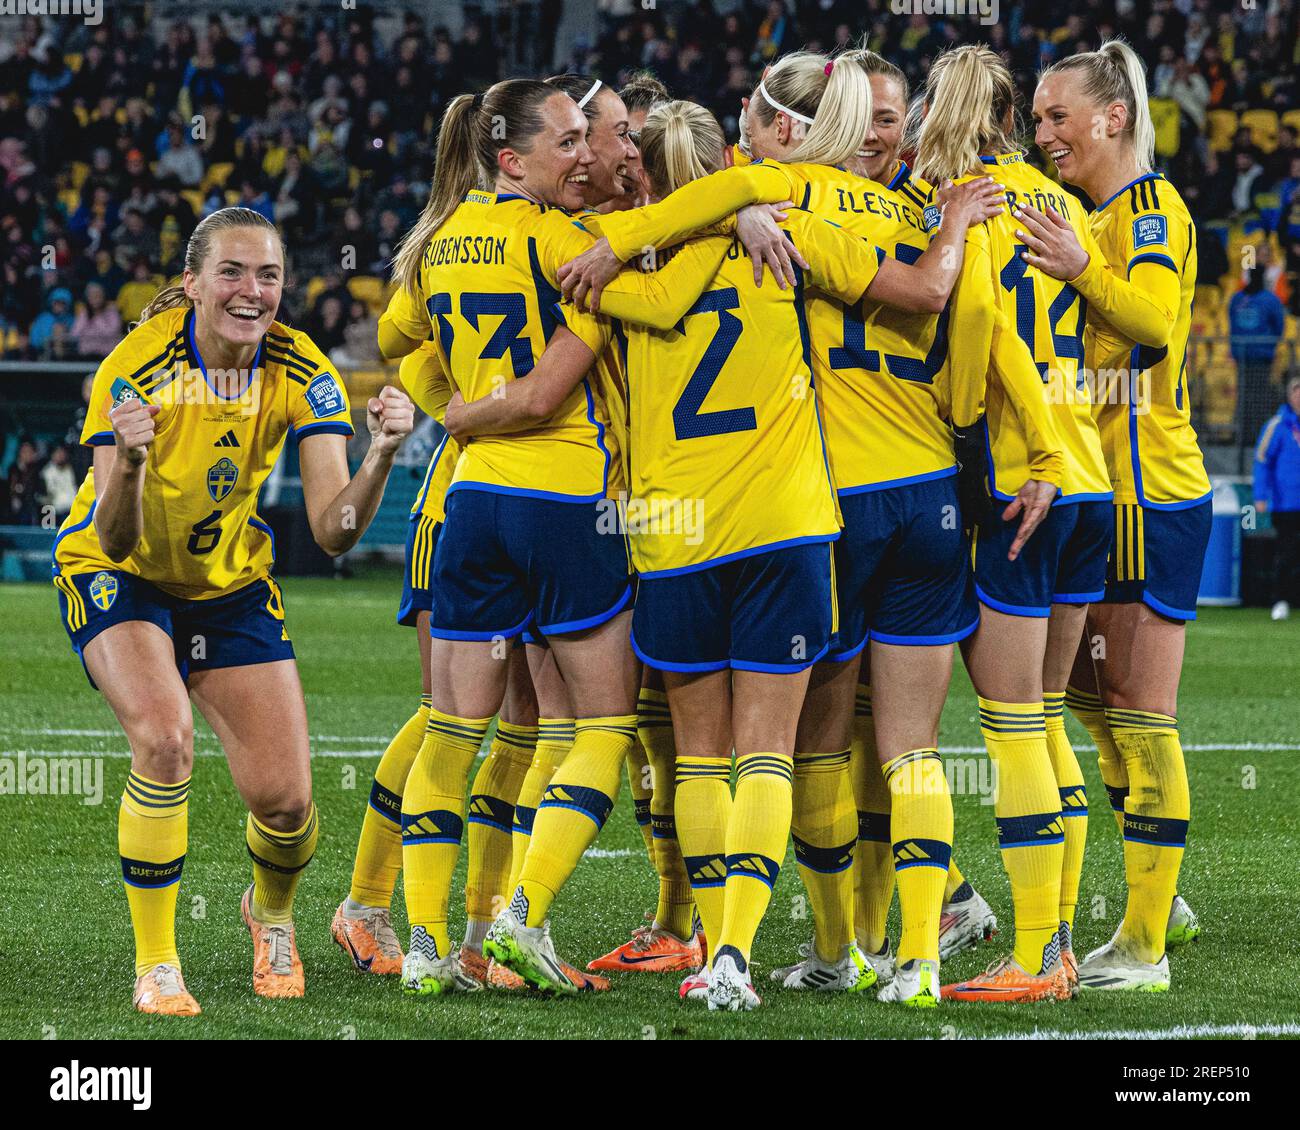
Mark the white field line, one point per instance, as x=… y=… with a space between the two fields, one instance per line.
x=1181 y=1032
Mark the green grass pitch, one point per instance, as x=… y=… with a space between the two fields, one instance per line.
x=66 y=942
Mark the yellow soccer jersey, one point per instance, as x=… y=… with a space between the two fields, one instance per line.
x=875 y=365
x=422 y=376
x=727 y=456
x=216 y=440
x=1049 y=318
x=1150 y=444
x=489 y=293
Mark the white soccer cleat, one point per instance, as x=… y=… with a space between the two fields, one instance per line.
x=1183 y=927
x=963 y=925
x=730 y=990
x=695 y=986
x=424 y=976
x=883 y=962
x=1112 y=968
x=1281 y=611
x=850 y=974
x=527 y=951
x=915 y=984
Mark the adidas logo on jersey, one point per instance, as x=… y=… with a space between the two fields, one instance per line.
x=227 y=440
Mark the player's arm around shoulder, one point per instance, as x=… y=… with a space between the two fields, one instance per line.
x=340 y=507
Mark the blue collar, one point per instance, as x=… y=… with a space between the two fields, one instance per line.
x=192 y=346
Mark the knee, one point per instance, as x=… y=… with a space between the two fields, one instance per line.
x=164 y=751
x=283 y=809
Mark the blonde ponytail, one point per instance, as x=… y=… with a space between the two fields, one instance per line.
x=967 y=94
x=828 y=100
x=196 y=254
x=456 y=172
x=680 y=142
x=1114 y=73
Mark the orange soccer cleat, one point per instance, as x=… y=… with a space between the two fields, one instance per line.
x=653 y=950
x=368 y=940
x=162 y=992
x=473 y=966
x=507 y=980
x=277 y=968
x=1006 y=981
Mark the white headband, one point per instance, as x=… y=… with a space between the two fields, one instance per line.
x=784 y=109
x=595 y=86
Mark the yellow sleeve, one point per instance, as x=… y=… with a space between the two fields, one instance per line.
x=425 y=381
x=970 y=332
x=593 y=330
x=1143 y=307
x=406 y=319
x=1027 y=395
x=660 y=298
x=840 y=264
x=694 y=207
x=322 y=404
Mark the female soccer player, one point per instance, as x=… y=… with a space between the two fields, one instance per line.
x=1138 y=279
x=522 y=546
x=705 y=615
x=1033 y=596
x=813 y=112
x=965 y=917
x=164 y=576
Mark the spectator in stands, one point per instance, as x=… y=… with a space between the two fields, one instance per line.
x=1277 y=493
x=170 y=204
x=177 y=157
x=134 y=238
x=1188 y=88
x=1244 y=187
x=1211 y=257
x=98 y=327
x=327 y=324
x=57 y=312
x=298 y=201
x=1256 y=322
x=23 y=487
x=253 y=194
x=360 y=348
x=107 y=273
x=58 y=488
x=136 y=293
x=82 y=456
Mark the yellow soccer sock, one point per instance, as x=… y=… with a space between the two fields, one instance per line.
x=379 y=850
x=756 y=837
x=574 y=808
x=873 y=860
x=954 y=881
x=1087 y=708
x=675 y=911
x=490 y=817
x=702 y=811
x=922 y=832
x=824 y=827
x=1074 y=807
x=433 y=822
x=638 y=784
x=1156 y=816
x=152 y=833
x=278 y=862
x=1030 y=833
x=554 y=740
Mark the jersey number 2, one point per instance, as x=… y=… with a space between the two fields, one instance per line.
x=688 y=421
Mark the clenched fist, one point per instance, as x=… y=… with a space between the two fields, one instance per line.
x=133 y=429
x=390 y=416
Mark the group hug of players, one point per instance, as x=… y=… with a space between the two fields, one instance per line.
x=742 y=442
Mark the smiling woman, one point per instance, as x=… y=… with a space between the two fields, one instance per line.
x=163 y=570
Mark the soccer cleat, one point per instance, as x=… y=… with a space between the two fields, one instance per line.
x=883 y=962
x=277 y=968
x=471 y=967
x=851 y=974
x=652 y=950
x=1006 y=981
x=695 y=986
x=369 y=940
x=965 y=924
x=506 y=980
x=730 y=989
x=1111 y=968
x=1183 y=928
x=161 y=992
x=425 y=976
x=1071 y=966
x=915 y=985
x=529 y=952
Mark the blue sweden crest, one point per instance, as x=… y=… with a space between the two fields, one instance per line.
x=103 y=591
x=222 y=476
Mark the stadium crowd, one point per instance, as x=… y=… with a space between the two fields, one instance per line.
x=113 y=144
